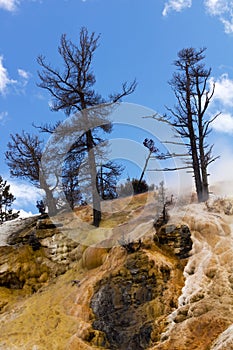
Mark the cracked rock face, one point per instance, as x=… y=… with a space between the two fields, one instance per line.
x=176 y=238
x=126 y=303
x=35 y=255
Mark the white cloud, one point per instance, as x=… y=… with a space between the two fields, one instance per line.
x=4 y=77
x=6 y=82
x=216 y=7
x=3 y=116
x=223 y=9
x=221 y=170
x=176 y=5
x=25 y=194
x=12 y=5
x=223 y=101
x=224 y=123
x=23 y=74
x=223 y=90
x=24 y=77
x=9 y=5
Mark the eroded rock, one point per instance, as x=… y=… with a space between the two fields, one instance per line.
x=127 y=302
x=176 y=238
x=94 y=257
x=21 y=268
x=34 y=256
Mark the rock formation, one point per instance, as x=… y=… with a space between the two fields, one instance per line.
x=172 y=291
x=177 y=238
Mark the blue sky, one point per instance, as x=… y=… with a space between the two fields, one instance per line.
x=139 y=39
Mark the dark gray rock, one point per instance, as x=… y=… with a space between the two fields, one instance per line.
x=120 y=303
x=176 y=238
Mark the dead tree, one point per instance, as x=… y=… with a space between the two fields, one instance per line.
x=189 y=117
x=23 y=158
x=148 y=143
x=107 y=177
x=72 y=90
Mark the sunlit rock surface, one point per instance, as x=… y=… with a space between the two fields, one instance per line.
x=68 y=295
x=206 y=304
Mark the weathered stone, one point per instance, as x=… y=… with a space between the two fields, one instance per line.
x=43 y=278
x=4 y=267
x=120 y=303
x=44 y=224
x=176 y=238
x=32 y=262
x=60 y=249
x=94 y=257
x=219 y=205
x=21 y=234
x=34 y=242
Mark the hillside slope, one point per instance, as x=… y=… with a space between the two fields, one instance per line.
x=73 y=287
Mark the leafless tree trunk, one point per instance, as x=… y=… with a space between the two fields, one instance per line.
x=189 y=118
x=23 y=158
x=73 y=90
